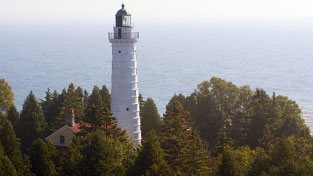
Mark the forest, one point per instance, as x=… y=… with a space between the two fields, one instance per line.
x=220 y=129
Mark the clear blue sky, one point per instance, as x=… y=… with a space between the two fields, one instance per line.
x=158 y=10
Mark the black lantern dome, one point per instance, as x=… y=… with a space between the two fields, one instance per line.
x=123 y=18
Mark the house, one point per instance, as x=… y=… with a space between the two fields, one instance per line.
x=62 y=138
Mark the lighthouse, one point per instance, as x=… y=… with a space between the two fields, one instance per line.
x=124 y=90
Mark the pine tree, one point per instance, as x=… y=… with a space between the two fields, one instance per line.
x=184 y=150
x=50 y=107
x=150 y=160
x=11 y=147
x=223 y=141
x=95 y=98
x=13 y=117
x=199 y=162
x=106 y=97
x=150 y=118
x=32 y=124
x=141 y=103
x=174 y=136
x=100 y=118
x=103 y=156
x=70 y=98
x=43 y=158
x=6 y=166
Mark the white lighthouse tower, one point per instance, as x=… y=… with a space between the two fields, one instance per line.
x=125 y=104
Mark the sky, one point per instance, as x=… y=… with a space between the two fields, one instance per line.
x=155 y=10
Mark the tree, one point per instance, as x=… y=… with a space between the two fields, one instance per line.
x=95 y=98
x=72 y=97
x=6 y=96
x=174 y=136
x=43 y=158
x=11 y=147
x=291 y=156
x=150 y=118
x=100 y=118
x=260 y=108
x=223 y=141
x=180 y=142
x=235 y=162
x=150 y=160
x=103 y=156
x=50 y=107
x=71 y=158
x=13 y=117
x=106 y=97
x=32 y=124
x=6 y=166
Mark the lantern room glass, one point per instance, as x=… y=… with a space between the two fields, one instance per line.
x=126 y=20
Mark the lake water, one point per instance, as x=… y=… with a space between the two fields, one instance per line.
x=172 y=58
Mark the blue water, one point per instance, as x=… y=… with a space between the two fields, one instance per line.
x=172 y=58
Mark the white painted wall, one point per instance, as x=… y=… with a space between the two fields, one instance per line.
x=125 y=105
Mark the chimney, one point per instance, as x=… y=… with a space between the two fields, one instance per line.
x=70 y=117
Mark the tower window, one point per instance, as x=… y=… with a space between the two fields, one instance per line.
x=127 y=109
x=119 y=51
x=62 y=139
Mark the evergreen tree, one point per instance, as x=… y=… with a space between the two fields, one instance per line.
x=150 y=160
x=181 y=146
x=103 y=156
x=199 y=162
x=223 y=141
x=99 y=118
x=174 y=136
x=71 y=158
x=150 y=118
x=50 y=107
x=95 y=98
x=32 y=124
x=6 y=166
x=43 y=158
x=141 y=103
x=71 y=98
x=6 y=96
x=291 y=156
x=13 y=117
x=106 y=97
x=11 y=147
x=235 y=162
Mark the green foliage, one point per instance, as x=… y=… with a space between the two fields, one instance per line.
x=150 y=160
x=184 y=151
x=50 y=107
x=103 y=156
x=106 y=97
x=71 y=98
x=69 y=161
x=150 y=118
x=11 y=147
x=223 y=141
x=100 y=118
x=235 y=162
x=6 y=96
x=291 y=156
x=6 y=166
x=43 y=158
x=13 y=117
x=252 y=117
x=32 y=123
x=249 y=133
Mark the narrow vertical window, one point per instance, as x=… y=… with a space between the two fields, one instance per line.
x=62 y=139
